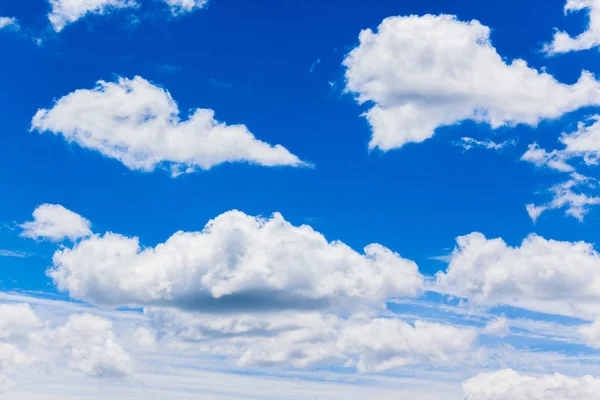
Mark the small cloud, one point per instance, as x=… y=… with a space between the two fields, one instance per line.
x=444 y=258
x=14 y=254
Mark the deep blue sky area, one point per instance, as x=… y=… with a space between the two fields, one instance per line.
x=251 y=63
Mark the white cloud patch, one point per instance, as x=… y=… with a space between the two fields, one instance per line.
x=422 y=73
x=235 y=262
x=56 y=223
x=591 y=334
x=468 y=143
x=499 y=326
x=138 y=123
x=564 y=43
x=85 y=344
x=14 y=254
x=510 y=385
x=185 y=6
x=314 y=339
x=570 y=196
x=65 y=12
x=540 y=275
x=583 y=143
x=9 y=23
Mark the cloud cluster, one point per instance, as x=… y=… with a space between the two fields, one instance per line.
x=420 y=73
x=510 y=385
x=315 y=339
x=84 y=343
x=56 y=223
x=235 y=262
x=570 y=196
x=138 y=123
x=65 y=12
x=564 y=43
x=541 y=275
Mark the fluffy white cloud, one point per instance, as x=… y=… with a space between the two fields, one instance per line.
x=421 y=73
x=541 y=275
x=8 y=23
x=56 y=223
x=65 y=12
x=138 y=124
x=468 y=143
x=564 y=43
x=564 y=195
x=315 y=339
x=85 y=344
x=236 y=262
x=510 y=385
x=185 y=6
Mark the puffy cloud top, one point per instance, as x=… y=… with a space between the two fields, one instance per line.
x=424 y=72
x=138 y=124
x=541 y=275
x=56 y=223
x=510 y=385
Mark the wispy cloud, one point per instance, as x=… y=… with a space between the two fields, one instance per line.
x=15 y=254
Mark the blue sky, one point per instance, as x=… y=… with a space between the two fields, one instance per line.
x=278 y=68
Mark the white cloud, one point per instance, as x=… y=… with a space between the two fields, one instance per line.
x=564 y=43
x=85 y=344
x=576 y=203
x=499 y=326
x=185 y=6
x=468 y=143
x=539 y=275
x=65 y=12
x=422 y=73
x=235 y=262
x=8 y=23
x=591 y=334
x=583 y=143
x=15 y=254
x=314 y=339
x=56 y=223
x=541 y=158
x=138 y=123
x=510 y=385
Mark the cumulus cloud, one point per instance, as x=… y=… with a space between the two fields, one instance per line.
x=570 y=196
x=541 y=275
x=510 y=385
x=564 y=43
x=314 y=339
x=9 y=23
x=468 y=143
x=185 y=6
x=420 y=73
x=85 y=344
x=235 y=262
x=65 y=12
x=56 y=223
x=138 y=123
